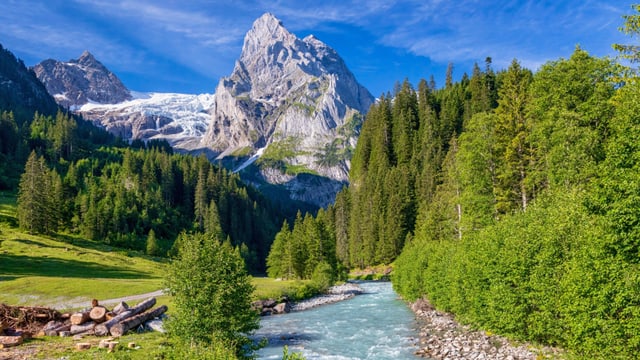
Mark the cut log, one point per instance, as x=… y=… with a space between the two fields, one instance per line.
x=2 y=327
x=56 y=330
x=83 y=346
x=121 y=307
x=80 y=317
x=9 y=341
x=86 y=327
x=98 y=313
x=143 y=306
x=122 y=327
x=103 y=329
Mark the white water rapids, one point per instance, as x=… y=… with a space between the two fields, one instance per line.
x=374 y=325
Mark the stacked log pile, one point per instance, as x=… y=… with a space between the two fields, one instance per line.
x=18 y=323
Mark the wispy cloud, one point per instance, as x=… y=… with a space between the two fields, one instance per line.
x=155 y=39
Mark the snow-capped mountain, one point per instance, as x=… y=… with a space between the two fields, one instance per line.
x=87 y=87
x=181 y=119
x=289 y=114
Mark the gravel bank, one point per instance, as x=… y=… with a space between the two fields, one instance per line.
x=441 y=337
x=334 y=294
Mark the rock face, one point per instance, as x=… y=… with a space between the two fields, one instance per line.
x=78 y=82
x=295 y=99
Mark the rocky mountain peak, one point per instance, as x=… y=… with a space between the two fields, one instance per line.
x=295 y=95
x=87 y=59
x=80 y=81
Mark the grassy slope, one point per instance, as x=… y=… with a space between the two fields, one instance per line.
x=43 y=270
x=50 y=270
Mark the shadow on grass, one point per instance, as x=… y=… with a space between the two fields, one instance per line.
x=22 y=265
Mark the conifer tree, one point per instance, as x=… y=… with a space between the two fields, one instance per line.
x=34 y=210
x=512 y=140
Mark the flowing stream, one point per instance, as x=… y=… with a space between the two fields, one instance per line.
x=374 y=325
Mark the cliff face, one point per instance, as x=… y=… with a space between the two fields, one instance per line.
x=294 y=98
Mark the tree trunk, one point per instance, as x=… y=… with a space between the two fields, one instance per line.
x=120 y=308
x=98 y=313
x=56 y=330
x=103 y=329
x=122 y=327
x=80 y=318
x=9 y=341
x=77 y=329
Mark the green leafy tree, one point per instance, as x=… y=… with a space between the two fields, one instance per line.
x=631 y=27
x=211 y=293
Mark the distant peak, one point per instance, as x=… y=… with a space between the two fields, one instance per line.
x=269 y=24
x=86 y=56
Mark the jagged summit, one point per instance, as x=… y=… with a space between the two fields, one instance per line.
x=87 y=59
x=291 y=92
x=80 y=81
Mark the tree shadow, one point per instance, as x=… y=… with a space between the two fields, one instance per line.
x=23 y=265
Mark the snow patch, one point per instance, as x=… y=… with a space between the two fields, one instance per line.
x=251 y=160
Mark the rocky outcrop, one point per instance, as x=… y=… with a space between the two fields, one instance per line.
x=295 y=96
x=80 y=81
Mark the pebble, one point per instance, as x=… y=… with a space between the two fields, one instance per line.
x=334 y=294
x=441 y=337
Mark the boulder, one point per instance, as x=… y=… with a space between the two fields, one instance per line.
x=282 y=308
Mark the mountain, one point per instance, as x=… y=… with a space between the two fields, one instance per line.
x=88 y=88
x=78 y=82
x=181 y=119
x=294 y=105
x=21 y=91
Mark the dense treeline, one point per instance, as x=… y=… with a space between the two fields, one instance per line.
x=395 y=169
x=508 y=198
x=135 y=198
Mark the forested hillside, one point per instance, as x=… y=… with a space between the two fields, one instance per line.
x=509 y=198
x=72 y=177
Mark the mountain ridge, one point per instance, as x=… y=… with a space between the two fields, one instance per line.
x=290 y=103
x=80 y=81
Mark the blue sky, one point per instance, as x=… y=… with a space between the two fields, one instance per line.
x=187 y=45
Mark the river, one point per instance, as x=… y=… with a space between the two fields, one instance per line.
x=374 y=325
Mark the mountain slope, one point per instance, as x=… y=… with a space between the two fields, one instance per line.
x=297 y=100
x=21 y=91
x=77 y=82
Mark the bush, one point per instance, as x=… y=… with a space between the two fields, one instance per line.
x=323 y=276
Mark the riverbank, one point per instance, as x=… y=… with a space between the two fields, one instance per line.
x=334 y=294
x=441 y=337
